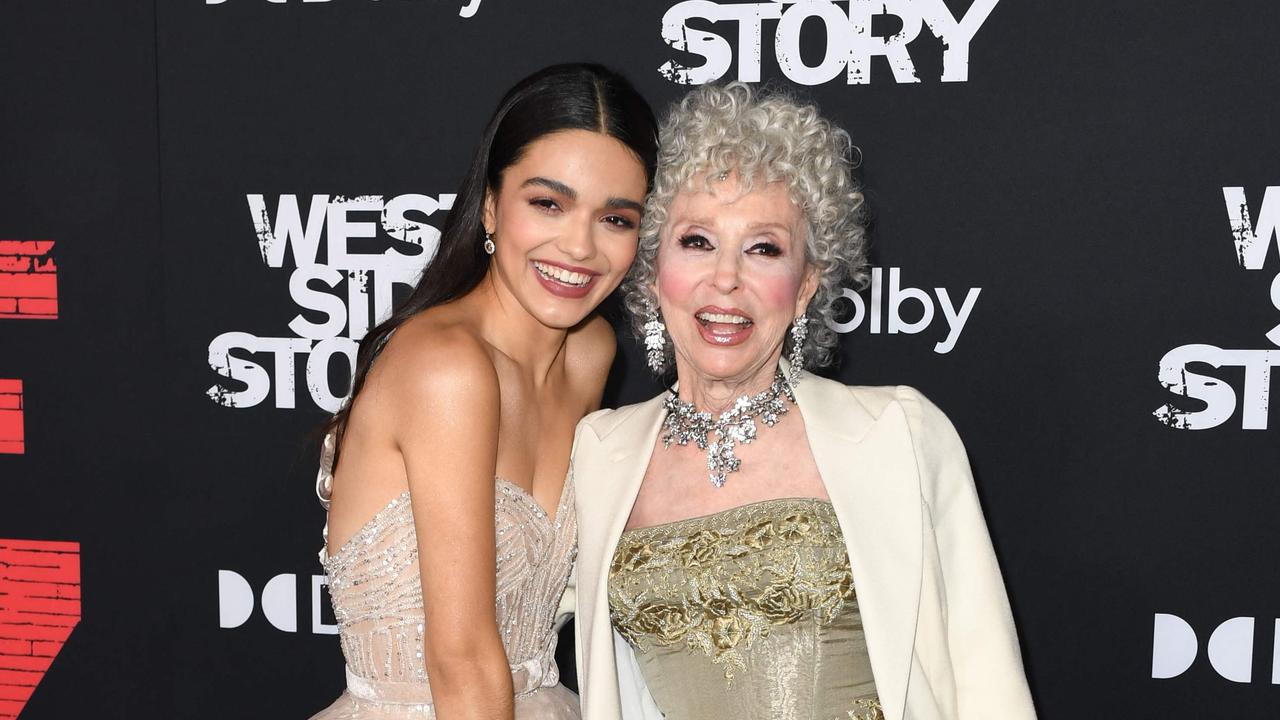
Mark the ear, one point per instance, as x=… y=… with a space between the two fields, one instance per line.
x=490 y=214
x=808 y=288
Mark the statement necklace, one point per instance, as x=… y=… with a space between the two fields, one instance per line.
x=684 y=423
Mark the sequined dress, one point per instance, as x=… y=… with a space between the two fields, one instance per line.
x=749 y=613
x=377 y=601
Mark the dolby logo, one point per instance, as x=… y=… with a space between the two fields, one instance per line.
x=1229 y=648
x=893 y=309
x=237 y=599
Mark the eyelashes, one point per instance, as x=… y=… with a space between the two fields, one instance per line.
x=551 y=207
x=697 y=241
x=694 y=240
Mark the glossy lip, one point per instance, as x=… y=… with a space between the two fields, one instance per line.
x=736 y=337
x=559 y=289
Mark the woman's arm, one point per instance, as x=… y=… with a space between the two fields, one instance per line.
x=591 y=354
x=446 y=427
x=981 y=638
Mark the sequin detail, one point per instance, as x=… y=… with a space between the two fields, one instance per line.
x=376 y=589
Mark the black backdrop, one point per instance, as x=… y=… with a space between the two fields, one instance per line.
x=1080 y=177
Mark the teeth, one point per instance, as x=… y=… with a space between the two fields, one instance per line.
x=561 y=275
x=722 y=318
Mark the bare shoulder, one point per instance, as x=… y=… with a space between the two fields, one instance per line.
x=434 y=364
x=594 y=340
x=591 y=348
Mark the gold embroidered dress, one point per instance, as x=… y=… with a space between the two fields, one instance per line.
x=748 y=613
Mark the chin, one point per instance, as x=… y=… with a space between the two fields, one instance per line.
x=564 y=316
x=723 y=364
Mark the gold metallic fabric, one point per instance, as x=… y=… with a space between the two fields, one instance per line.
x=746 y=613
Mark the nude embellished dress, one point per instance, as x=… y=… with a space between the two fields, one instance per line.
x=377 y=599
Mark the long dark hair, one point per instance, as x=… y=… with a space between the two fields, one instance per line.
x=575 y=96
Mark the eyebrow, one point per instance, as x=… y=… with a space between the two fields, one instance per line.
x=550 y=184
x=617 y=203
x=703 y=221
x=708 y=222
x=756 y=227
x=614 y=203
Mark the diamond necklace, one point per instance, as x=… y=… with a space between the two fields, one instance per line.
x=685 y=423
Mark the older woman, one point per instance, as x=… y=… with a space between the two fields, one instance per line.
x=759 y=542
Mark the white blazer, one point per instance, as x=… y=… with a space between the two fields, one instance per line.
x=939 y=632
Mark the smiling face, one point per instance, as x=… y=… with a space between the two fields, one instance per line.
x=731 y=276
x=565 y=224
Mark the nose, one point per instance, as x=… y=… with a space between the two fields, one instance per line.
x=728 y=276
x=577 y=241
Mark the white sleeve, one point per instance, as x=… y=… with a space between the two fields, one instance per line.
x=637 y=702
x=983 y=643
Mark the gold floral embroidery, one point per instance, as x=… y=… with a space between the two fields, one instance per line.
x=868 y=709
x=667 y=623
x=699 y=549
x=635 y=558
x=719 y=583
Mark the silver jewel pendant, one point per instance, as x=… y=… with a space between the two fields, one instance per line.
x=737 y=425
x=655 y=341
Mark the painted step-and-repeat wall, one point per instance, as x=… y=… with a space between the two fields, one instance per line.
x=205 y=203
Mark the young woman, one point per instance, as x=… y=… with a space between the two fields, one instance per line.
x=451 y=458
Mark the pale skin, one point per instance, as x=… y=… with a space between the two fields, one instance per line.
x=492 y=385
x=742 y=254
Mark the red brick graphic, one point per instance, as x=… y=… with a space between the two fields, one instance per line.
x=39 y=606
x=11 y=438
x=28 y=280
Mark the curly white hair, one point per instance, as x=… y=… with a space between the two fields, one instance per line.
x=761 y=135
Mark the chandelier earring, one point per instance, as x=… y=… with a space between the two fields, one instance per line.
x=655 y=339
x=489 y=247
x=799 y=331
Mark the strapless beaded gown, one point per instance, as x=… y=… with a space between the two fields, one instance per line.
x=377 y=601
x=748 y=613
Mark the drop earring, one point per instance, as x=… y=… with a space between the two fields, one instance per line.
x=799 y=331
x=489 y=247
x=655 y=339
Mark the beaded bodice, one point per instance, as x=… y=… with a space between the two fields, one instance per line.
x=376 y=590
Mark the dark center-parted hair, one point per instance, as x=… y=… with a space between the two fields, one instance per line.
x=576 y=96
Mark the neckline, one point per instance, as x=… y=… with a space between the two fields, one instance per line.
x=736 y=508
x=542 y=512
x=405 y=495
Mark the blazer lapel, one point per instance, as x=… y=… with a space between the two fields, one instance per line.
x=607 y=479
x=867 y=463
